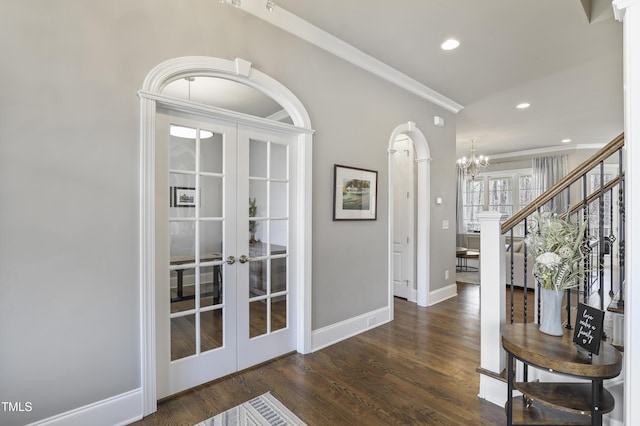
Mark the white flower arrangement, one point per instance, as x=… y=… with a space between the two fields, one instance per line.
x=558 y=252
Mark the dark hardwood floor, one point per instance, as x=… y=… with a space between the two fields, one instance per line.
x=418 y=369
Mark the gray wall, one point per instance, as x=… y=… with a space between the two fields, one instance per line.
x=69 y=132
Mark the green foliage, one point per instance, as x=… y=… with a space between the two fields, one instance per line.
x=558 y=250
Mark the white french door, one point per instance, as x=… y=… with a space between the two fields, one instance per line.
x=224 y=225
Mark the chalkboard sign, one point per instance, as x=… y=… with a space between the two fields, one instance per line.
x=588 y=330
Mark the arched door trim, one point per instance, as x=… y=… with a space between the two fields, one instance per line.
x=423 y=252
x=150 y=98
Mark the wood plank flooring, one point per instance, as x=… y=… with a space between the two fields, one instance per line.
x=420 y=369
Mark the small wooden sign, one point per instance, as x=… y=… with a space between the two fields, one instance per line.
x=588 y=329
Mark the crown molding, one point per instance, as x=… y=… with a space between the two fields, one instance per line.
x=620 y=7
x=300 y=28
x=546 y=150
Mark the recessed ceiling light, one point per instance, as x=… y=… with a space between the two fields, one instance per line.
x=566 y=140
x=450 y=44
x=523 y=105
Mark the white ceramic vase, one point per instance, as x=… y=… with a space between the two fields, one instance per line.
x=550 y=321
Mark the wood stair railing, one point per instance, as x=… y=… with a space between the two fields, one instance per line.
x=564 y=183
x=580 y=172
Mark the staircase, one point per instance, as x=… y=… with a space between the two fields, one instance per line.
x=593 y=195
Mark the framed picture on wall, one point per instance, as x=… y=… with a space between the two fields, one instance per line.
x=182 y=196
x=355 y=193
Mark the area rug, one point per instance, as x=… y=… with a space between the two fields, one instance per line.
x=471 y=275
x=468 y=277
x=260 y=411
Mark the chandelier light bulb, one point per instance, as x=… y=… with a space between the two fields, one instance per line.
x=472 y=165
x=270 y=5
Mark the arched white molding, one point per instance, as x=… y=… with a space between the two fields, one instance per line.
x=150 y=95
x=423 y=162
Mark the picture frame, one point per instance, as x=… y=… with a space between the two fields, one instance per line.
x=355 y=193
x=182 y=196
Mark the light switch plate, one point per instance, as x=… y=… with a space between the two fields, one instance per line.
x=445 y=224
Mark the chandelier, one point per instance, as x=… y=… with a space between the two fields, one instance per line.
x=472 y=165
x=237 y=3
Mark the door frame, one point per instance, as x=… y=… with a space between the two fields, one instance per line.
x=423 y=250
x=151 y=97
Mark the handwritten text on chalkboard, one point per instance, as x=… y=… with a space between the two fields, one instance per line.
x=588 y=331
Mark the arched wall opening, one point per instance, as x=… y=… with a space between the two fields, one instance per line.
x=423 y=172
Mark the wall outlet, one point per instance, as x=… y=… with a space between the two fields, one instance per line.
x=446 y=274
x=445 y=224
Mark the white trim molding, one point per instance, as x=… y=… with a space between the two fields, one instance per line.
x=342 y=330
x=151 y=97
x=423 y=164
x=621 y=6
x=118 y=410
x=628 y=11
x=300 y=28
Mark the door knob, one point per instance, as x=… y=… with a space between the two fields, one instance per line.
x=231 y=260
x=243 y=259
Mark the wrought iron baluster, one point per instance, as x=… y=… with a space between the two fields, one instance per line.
x=601 y=247
x=511 y=287
x=526 y=232
x=587 y=259
x=610 y=240
x=621 y=231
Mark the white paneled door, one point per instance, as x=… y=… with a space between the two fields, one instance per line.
x=225 y=292
x=403 y=160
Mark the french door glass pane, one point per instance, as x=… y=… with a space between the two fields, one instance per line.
x=182 y=194
x=211 y=196
x=278 y=205
x=182 y=290
x=211 y=154
x=182 y=151
x=257 y=318
x=210 y=285
x=210 y=240
x=182 y=236
x=183 y=336
x=278 y=313
x=211 y=330
x=279 y=161
x=258 y=192
x=258 y=158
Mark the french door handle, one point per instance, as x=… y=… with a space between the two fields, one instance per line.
x=243 y=259
x=231 y=260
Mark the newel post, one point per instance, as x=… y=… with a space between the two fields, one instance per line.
x=492 y=301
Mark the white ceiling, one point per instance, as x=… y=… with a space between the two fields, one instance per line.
x=545 y=52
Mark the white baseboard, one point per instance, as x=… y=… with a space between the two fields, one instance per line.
x=493 y=390
x=118 y=410
x=442 y=294
x=335 y=333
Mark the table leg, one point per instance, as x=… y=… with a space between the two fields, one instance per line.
x=596 y=415
x=180 y=293
x=510 y=378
